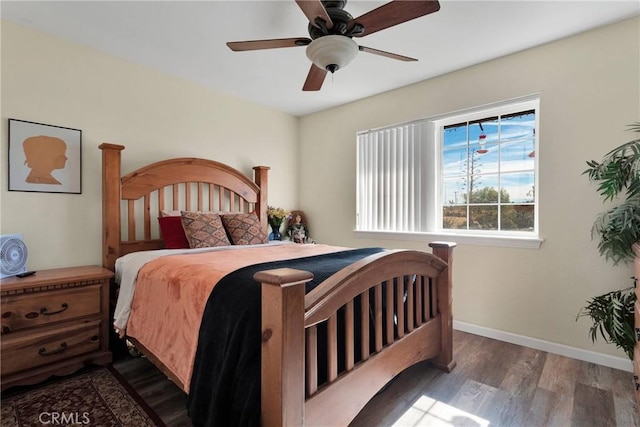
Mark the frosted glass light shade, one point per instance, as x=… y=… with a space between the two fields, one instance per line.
x=332 y=52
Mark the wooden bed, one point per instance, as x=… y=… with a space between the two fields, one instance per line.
x=416 y=327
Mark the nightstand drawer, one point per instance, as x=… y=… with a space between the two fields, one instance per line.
x=53 y=323
x=27 y=351
x=28 y=310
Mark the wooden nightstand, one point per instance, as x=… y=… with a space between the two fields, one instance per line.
x=53 y=323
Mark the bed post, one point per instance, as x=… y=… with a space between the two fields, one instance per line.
x=283 y=345
x=111 y=194
x=444 y=282
x=261 y=178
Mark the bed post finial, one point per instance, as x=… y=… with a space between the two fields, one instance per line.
x=444 y=283
x=261 y=178
x=111 y=195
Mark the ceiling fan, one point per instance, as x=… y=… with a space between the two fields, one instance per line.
x=331 y=29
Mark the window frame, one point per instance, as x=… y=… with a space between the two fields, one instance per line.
x=434 y=190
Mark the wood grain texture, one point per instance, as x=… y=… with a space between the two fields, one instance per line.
x=54 y=323
x=28 y=310
x=501 y=384
x=511 y=394
x=286 y=310
x=283 y=346
x=185 y=179
x=48 y=345
x=165 y=398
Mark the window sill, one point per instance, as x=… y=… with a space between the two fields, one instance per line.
x=520 y=242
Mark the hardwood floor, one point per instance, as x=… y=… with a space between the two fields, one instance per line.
x=494 y=384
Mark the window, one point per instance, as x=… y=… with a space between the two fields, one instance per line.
x=471 y=174
x=392 y=178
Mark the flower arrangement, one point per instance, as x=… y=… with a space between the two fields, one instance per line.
x=276 y=215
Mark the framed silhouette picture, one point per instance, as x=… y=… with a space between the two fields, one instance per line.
x=44 y=158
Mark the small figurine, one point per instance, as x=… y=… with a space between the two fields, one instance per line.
x=297 y=230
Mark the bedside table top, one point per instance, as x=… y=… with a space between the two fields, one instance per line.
x=56 y=275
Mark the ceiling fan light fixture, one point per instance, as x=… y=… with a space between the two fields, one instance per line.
x=332 y=52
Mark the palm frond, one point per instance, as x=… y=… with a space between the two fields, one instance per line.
x=612 y=318
x=618 y=172
x=619 y=169
x=618 y=229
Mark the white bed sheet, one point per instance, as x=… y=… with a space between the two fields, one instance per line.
x=128 y=266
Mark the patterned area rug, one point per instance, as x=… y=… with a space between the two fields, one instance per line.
x=99 y=397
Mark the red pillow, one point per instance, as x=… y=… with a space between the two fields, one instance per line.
x=173 y=233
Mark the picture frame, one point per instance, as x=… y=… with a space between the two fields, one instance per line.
x=44 y=158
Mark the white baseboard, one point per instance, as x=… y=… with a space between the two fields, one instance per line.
x=550 y=347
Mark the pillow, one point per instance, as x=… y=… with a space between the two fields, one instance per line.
x=173 y=233
x=244 y=228
x=204 y=230
x=164 y=213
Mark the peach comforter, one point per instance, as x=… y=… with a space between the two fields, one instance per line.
x=171 y=293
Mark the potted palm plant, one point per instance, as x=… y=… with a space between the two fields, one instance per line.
x=617 y=229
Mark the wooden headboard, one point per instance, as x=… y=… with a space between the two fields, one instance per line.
x=131 y=203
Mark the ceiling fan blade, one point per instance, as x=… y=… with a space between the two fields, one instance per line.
x=387 y=54
x=314 y=9
x=315 y=78
x=393 y=13
x=268 y=44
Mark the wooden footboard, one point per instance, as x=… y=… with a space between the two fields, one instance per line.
x=327 y=353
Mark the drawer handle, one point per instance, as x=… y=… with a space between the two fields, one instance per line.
x=638 y=334
x=44 y=310
x=43 y=351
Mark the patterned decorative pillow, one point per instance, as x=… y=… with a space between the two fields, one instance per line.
x=204 y=230
x=244 y=228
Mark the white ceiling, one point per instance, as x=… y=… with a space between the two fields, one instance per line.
x=187 y=39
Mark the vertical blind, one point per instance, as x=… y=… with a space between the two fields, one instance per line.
x=391 y=178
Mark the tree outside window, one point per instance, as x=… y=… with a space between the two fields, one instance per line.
x=488 y=173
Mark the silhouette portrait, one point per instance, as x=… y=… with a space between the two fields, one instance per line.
x=44 y=154
x=44 y=158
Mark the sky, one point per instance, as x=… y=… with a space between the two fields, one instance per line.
x=506 y=157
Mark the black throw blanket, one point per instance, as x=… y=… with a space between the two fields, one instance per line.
x=225 y=385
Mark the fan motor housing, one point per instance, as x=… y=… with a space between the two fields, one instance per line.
x=340 y=19
x=334 y=4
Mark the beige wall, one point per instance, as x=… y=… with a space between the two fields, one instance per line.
x=589 y=88
x=47 y=80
